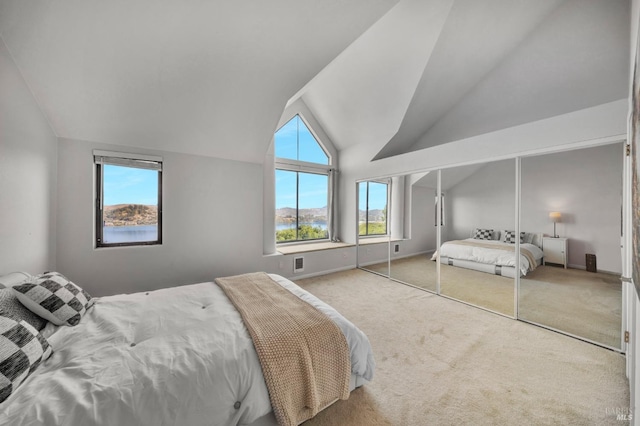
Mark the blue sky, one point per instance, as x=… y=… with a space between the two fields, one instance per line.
x=128 y=185
x=377 y=196
x=295 y=141
x=312 y=192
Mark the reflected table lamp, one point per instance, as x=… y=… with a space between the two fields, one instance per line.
x=555 y=218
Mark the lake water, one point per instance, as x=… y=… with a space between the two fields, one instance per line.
x=282 y=226
x=129 y=234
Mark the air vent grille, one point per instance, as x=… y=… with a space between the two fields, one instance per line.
x=298 y=264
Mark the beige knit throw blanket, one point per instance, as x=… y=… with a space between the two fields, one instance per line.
x=304 y=355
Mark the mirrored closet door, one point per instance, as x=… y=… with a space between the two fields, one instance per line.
x=571 y=202
x=477 y=253
x=413 y=229
x=373 y=225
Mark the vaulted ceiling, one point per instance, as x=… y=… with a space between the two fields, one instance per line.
x=213 y=78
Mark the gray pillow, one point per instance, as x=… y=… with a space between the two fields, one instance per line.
x=9 y=304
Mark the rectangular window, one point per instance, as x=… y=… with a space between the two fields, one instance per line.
x=301 y=206
x=372 y=200
x=128 y=199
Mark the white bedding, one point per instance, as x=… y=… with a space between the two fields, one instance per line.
x=490 y=256
x=177 y=356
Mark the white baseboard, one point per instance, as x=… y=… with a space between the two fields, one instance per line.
x=293 y=277
x=409 y=255
x=584 y=268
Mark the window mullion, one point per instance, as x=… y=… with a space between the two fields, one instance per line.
x=366 y=224
x=297 y=206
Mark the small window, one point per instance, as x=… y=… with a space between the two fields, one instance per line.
x=128 y=199
x=372 y=200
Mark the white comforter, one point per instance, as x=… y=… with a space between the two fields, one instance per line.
x=490 y=256
x=177 y=356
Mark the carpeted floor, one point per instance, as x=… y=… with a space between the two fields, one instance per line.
x=440 y=362
x=581 y=303
x=585 y=304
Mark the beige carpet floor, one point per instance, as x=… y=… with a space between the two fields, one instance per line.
x=582 y=303
x=440 y=362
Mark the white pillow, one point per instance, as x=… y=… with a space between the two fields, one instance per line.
x=55 y=298
x=14 y=278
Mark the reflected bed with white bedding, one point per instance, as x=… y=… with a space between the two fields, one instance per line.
x=492 y=255
x=175 y=356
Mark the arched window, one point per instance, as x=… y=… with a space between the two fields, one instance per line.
x=302 y=184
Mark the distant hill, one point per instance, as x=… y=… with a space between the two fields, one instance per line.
x=288 y=215
x=130 y=215
x=376 y=215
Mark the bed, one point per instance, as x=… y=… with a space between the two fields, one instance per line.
x=493 y=252
x=175 y=356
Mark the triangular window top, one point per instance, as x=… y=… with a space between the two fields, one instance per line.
x=295 y=141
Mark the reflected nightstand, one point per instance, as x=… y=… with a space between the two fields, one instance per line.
x=555 y=250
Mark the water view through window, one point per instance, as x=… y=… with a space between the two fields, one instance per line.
x=130 y=207
x=372 y=208
x=301 y=196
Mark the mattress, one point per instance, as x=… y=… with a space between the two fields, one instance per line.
x=174 y=356
x=488 y=258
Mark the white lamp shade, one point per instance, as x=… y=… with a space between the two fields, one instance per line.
x=555 y=216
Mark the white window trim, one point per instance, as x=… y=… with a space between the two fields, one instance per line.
x=291 y=165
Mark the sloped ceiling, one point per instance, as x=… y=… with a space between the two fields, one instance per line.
x=493 y=64
x=208 y=78
x=213 y=78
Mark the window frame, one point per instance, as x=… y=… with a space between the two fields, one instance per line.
x=299 y=166
x=386 y=218
x=148 y=162
x=297 y=207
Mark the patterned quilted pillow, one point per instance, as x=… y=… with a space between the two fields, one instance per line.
x=510 y=237
x=22 y=349
x=55 y=298
x=483 y=234
x=11 y=306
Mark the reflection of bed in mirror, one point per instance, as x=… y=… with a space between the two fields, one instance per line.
x=493 y=252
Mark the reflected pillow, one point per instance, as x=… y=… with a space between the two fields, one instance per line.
x=528 y=238
x=510 y=237
x=482 y=234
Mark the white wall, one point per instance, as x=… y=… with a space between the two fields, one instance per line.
x=590 y=126
x=486 y=199
x=27 y=176
x=212 y=223
x=422 y=225
x=633 y=316
x=586 y=187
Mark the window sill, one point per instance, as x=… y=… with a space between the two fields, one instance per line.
x=311 y=246
x=376 y=240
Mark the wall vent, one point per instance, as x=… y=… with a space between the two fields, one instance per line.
x=298 y=264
